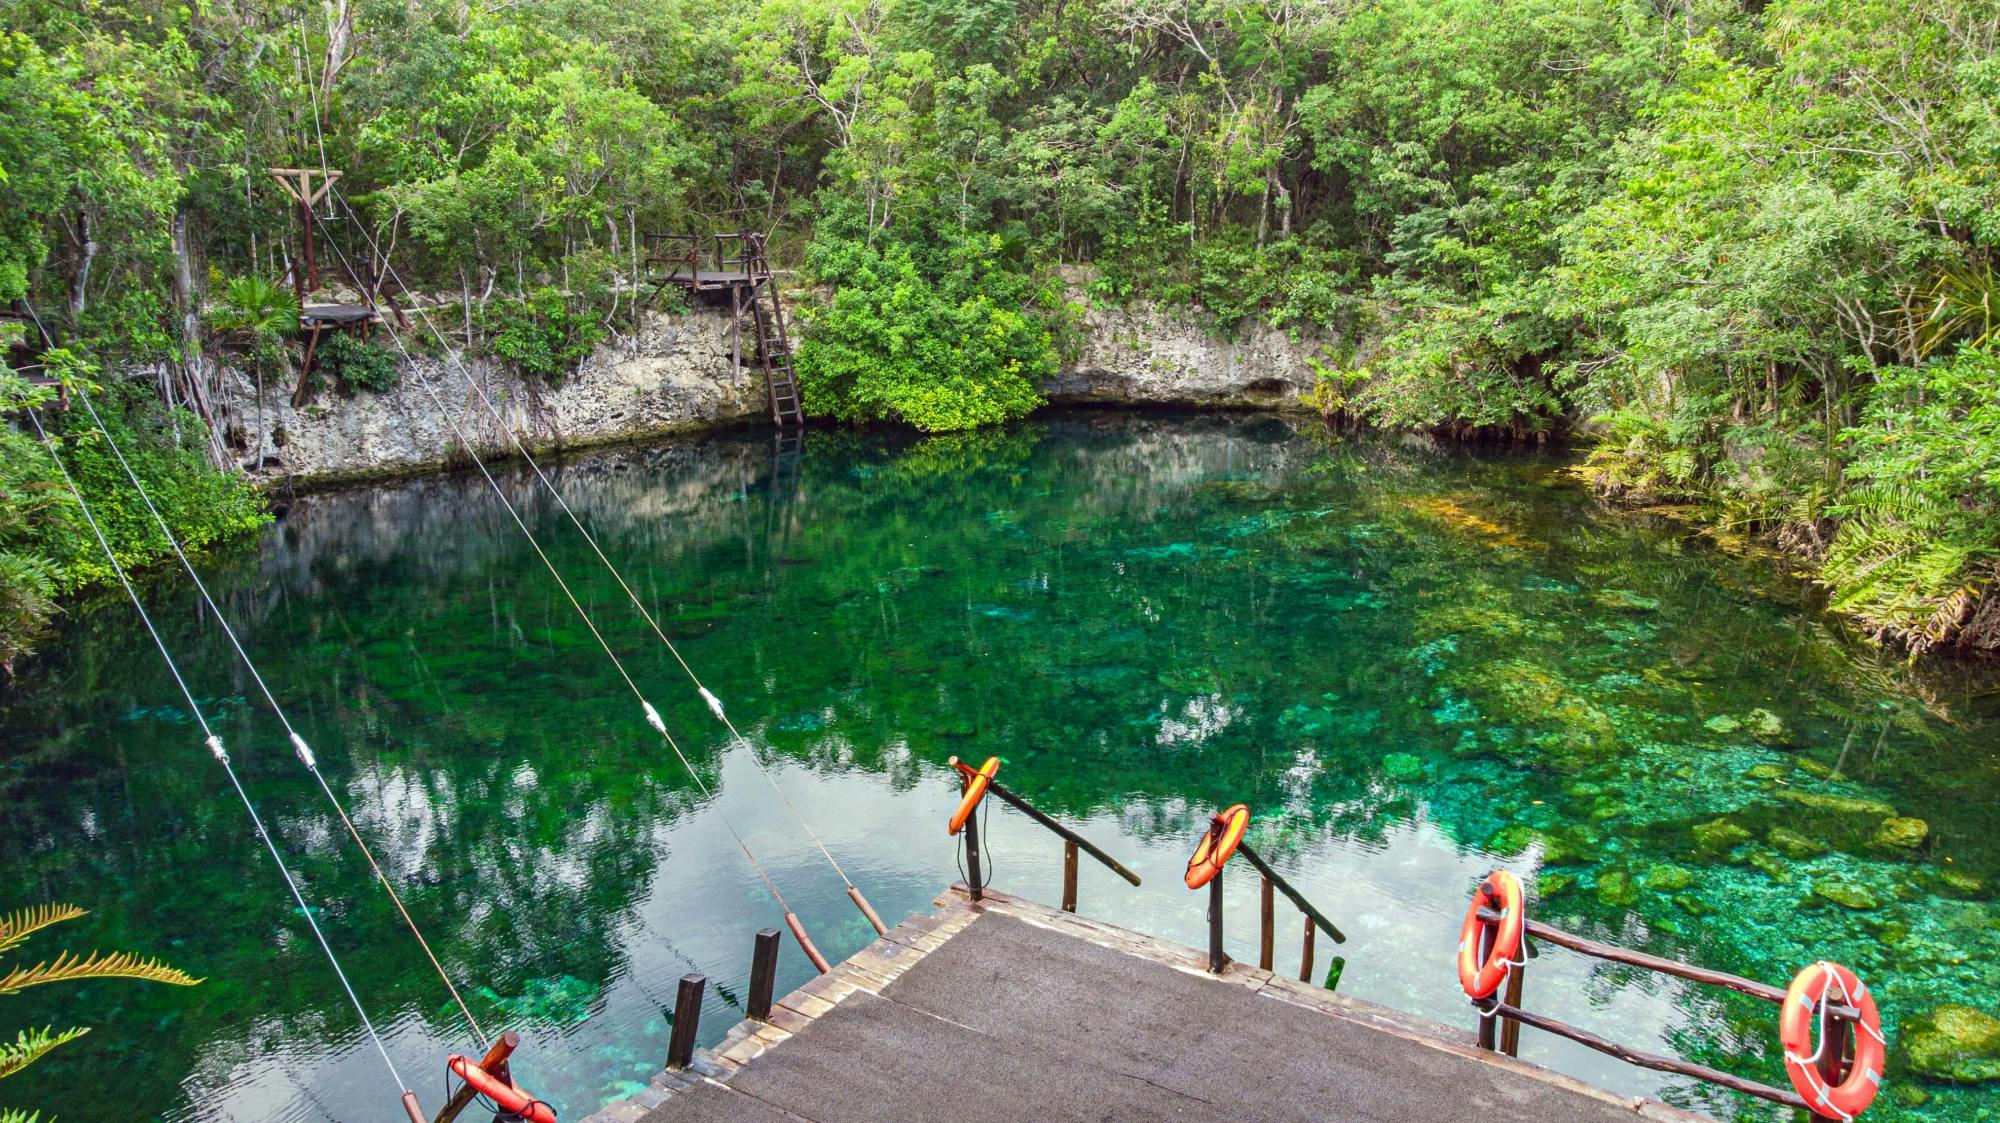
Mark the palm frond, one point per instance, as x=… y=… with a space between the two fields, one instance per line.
x=17 y=926
x=16 y=1115
x=29 y=1047
x=68 y=967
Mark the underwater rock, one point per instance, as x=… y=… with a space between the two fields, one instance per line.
x=1959 y=883
x=1839 y=804
x=1553 y=884
x=1845 y=893
x=1624 y=600
x=1668 y=878
x=1766 y=772
x=1692 y=905
x=1404 y=767
x=1723 y=724
x=1616 y=887
x=1771 y=866
x=1902 y=833
x=1766 y=727
x=1954 y=1043
x=1719 y=835
x=1570 y=732
x=1792 y=844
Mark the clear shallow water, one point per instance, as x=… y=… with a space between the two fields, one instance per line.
x=1415 y=664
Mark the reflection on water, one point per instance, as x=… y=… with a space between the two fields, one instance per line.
x=1415 y=664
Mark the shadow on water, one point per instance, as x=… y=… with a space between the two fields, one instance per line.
x=1414 y=662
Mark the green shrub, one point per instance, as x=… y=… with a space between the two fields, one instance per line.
x=358 y=366
x=544 y=334
x=942 y=333
x=1919 y=541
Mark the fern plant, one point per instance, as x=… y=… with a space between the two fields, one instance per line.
x=31 y=1045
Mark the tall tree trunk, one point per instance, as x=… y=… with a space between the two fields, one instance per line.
x=194 y=389
x=79 y=284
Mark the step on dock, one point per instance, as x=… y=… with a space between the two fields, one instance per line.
x=1007 y=1011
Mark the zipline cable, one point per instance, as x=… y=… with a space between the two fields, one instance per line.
x=214 y=746
x=652 y=715
x=299 y=746
x=707 y=696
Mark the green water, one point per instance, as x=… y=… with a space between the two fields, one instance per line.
x=1415 y=664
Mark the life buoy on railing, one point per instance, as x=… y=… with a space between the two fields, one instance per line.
x=1805 y=1004
x=1502 y=891
x=976 y=784
x=1224 y=832
x=506 y=1096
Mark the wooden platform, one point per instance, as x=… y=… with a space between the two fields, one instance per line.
x=1011 y=1012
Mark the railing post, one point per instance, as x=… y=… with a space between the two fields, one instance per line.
x=1306 y=953
x=1069 y=875
x=763 y=974
x=972 y=879
x=687 y=1018
x=1510 y=1033
x=1833 y=1056
x=1266 y=918
x=1484 y=948
x=1216 y=959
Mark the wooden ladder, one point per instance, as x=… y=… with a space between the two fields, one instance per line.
x=774 y=352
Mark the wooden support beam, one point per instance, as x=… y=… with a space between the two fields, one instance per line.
x=1306 y=953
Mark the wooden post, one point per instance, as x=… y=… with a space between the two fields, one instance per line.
x=763 y=974
x=1266 y=917
x=1216 y=959
x=687 y=1018
x=1306 y=953
x=494 y=1061
x=735 y=335
x=1069 y=876
x=972 y=879
x=411 y=1108
x=1484 y=948
x=1833 y=1056
x=1510 y=1030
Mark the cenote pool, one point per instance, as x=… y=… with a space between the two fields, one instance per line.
x=1414 y=663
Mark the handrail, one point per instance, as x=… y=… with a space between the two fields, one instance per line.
x=1072 y=841
x=1290 y=893
x=1507 y=1012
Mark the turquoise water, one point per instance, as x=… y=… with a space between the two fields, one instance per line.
x=1414 y=663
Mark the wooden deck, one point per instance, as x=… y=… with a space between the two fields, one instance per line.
x=1011 y=1012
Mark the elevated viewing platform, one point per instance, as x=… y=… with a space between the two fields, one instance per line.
x=1004 y=1010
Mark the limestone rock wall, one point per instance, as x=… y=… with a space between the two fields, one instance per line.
x=676 y=375
x=1144 y=354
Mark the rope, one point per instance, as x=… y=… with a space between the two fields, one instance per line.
x=652 y=715
x=214 y=746
x=299 y=747
x=714 y=703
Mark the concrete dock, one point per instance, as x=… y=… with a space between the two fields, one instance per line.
x=1005 y=1011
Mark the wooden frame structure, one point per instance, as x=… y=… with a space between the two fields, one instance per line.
x=735 y=265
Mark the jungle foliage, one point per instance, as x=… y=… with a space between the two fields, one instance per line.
x=1748 y=245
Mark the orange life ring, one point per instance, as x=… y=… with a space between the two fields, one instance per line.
x=507 y=1096
x=975 y=790
x=1217 y=844
x=1501 y=890
x=1804 y=1002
